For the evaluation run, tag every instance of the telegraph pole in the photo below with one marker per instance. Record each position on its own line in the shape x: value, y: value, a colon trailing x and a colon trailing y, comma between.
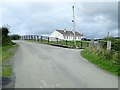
x: 74, y: 26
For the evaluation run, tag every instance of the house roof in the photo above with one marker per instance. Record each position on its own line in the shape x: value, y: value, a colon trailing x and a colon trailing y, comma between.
x: 69, y: 33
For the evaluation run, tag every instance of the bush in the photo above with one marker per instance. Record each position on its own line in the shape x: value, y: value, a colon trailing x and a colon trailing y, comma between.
x: 6, y: 41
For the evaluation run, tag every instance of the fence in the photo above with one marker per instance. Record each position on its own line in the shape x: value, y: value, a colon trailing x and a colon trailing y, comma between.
x: 106, y: 45
x: 56, y: 41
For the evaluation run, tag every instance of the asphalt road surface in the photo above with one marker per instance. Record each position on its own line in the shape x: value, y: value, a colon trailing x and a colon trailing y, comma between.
x: 39, y: 65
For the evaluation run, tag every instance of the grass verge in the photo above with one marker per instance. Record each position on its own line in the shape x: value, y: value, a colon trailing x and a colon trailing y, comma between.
x: 6, y: 70
x: 108, y: 64
x: 7, y: 52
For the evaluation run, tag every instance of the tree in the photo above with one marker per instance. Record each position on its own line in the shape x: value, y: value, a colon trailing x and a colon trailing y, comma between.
x: 5, y: 31
x: 15, y: 37
x: 5, y: 38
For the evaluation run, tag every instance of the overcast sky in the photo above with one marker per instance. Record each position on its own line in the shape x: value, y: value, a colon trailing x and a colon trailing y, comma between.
x: 93, y: 19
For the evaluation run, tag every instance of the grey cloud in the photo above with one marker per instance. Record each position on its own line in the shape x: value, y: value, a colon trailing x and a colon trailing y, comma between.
x: 92, y: 19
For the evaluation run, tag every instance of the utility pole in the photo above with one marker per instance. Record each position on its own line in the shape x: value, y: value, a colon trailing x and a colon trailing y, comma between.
x: 108, y: 34
x: 74, y: 26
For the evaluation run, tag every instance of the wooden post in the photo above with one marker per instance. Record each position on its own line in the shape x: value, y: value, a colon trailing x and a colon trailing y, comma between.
x: 34, y: 37
x: 81, y: 44
x: 48, y: 39
x: 57, y: 40
x: 66, y: 42
x: 37, y: 38
x: 41, y: 38
x: 92, y: 43
x: 31, y: 37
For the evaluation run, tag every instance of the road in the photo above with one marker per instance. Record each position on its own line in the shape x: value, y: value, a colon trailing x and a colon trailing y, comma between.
x: 39, y: 65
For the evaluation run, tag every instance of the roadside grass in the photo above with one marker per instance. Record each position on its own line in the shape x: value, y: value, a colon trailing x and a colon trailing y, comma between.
x: 6, y: 70
x: 102, y: 60
x: 7, y: 52
x: 0, y: 55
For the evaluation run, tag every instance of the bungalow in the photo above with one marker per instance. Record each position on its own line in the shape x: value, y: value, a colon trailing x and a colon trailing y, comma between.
x: 66, y: 35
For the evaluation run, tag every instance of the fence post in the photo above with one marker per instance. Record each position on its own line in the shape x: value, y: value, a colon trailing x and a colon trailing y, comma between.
x: 25, y: 37
x: 31, y: 37
x: 41, y: 38
x: 81, y: 44
x: 92, y: 43
x: 108, y: 45
x: 98, y: 45
x: 66, y: 42
x: 57, y: 40
x: 87, y: 44
x: 34, y: 37
x: 48, y: 39
x: 28, y: 37
x: 37, y: 38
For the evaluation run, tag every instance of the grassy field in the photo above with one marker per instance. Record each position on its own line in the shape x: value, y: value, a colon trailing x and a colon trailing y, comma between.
x: 105, y: 59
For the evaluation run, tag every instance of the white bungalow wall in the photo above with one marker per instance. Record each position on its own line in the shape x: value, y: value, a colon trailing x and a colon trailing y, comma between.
x: 55, y: 35
x: 70, y: 38
x: 58, y: 35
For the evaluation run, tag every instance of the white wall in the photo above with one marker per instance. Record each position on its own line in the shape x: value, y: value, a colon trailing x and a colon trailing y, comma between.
x: 78, y: 38
x: 56, y: 34
x: 70, y: 38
